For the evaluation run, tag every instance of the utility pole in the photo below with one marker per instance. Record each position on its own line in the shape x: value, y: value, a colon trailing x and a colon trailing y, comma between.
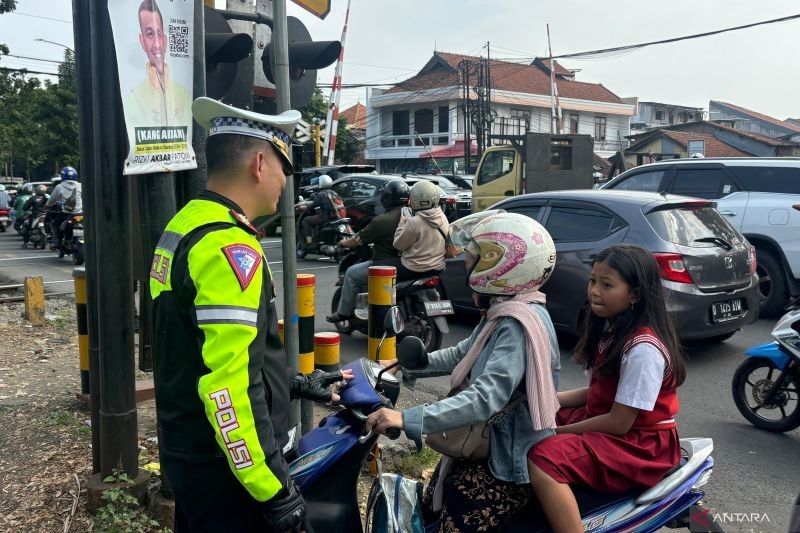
x: 317, y: 132
x: 280, y: 40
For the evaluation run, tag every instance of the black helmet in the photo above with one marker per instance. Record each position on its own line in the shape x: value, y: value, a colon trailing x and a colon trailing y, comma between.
x: 395, y: 194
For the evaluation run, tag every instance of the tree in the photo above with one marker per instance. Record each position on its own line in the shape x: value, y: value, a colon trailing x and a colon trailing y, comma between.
x: 347, y: 145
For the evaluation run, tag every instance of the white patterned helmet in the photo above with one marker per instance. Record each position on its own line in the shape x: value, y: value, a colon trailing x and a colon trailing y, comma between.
x: 514, y: 252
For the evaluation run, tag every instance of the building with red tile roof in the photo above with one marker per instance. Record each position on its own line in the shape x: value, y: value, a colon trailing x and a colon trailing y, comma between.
x: 356, y: 116
x: 660, y: 144
x: 741, y: 118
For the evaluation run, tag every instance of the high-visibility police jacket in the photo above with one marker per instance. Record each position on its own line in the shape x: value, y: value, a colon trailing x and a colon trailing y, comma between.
x: 222, y: 386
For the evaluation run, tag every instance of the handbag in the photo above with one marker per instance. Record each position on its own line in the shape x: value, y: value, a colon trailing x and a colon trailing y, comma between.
x: 472, y: 441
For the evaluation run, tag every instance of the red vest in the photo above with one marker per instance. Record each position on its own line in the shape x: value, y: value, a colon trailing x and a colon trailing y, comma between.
x: 603, y: 388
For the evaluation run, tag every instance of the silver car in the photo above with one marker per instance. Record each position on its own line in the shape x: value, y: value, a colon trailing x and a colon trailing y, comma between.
x: 708, y: 269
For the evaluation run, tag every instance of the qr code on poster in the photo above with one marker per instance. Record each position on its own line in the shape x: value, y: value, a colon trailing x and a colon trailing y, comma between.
x: 179, y: 40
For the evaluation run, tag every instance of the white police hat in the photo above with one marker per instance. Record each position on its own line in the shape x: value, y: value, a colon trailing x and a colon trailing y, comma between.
x: 219, y: 118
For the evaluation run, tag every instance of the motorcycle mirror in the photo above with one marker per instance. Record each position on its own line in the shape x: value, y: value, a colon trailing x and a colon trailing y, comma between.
x: 300, y: 199
x: 411, y: 353
x: 393, y: 322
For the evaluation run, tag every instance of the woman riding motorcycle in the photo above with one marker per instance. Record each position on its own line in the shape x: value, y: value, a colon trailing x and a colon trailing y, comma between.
x: 512, y: 352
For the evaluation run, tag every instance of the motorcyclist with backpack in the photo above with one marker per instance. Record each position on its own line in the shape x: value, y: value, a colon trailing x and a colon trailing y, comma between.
x: 67, y: 197
x: 330, y: 204
x: 32, y: 208
x: 24, y: 192
x: 380, y: 233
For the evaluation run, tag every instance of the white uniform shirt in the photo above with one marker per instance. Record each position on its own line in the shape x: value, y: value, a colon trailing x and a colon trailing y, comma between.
x: 641, y: 374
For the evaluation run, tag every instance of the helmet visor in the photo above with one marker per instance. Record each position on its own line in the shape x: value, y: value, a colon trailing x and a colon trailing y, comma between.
x: 461, y: 230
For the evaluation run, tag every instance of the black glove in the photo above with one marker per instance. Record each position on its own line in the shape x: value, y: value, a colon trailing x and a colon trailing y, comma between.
x: 286, y: 511
x: 314, y: 386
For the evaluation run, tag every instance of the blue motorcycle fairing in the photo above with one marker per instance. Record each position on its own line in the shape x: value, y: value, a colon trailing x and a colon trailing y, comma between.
x: 771, y: 351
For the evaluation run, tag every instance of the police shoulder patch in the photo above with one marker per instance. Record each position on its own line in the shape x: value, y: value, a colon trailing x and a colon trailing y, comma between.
x: 244, y: 261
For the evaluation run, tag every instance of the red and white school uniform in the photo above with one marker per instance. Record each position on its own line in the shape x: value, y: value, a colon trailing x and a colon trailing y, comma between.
x: 618, y: 463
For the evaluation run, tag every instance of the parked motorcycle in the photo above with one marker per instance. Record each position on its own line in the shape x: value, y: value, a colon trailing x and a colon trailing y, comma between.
x: 423, y: 311
x: 5, y: 221
x: 332, y: 456
x: 328, y: 235
x: 766, y: 385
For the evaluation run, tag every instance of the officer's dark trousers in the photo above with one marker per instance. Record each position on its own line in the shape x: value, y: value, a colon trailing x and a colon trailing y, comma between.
x: 208, y: 498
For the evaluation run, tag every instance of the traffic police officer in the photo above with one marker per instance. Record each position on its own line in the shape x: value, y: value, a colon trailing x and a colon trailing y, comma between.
x: 222, y: 388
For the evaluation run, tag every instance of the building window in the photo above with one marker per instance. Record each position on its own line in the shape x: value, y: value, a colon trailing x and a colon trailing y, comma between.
x: 523, y: 117
x: 599, y: 128
x: 423, y: 124
x: 697, y: 147
x: 659, y: 115
x: 573, y: 123
x: 444, y: 119
x: 561, y: 154
x: 400, y: 122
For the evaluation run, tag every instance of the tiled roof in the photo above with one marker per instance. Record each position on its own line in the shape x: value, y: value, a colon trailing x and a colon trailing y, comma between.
x: 544, y: 63
x: 760, y: 116
x: 356, y: 116
x: 713, y: 146
x: 455, y: 150
x: 772, y: 141
x: 442, y: 71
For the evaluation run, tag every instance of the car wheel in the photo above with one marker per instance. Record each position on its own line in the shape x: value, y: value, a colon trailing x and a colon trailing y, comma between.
x: 751, y: 381
x: 772, y: 288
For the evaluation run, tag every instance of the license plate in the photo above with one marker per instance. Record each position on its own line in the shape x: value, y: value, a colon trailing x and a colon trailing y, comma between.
x: 724, y: 311
x: 77, y: 233
x: 439, y: 308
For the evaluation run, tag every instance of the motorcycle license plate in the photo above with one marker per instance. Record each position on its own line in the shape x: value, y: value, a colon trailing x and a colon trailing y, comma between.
x: 77, y: 232
x: 725, y: 311
x: 439, y: 308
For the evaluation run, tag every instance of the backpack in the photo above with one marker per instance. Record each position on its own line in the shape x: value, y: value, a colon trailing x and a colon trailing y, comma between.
x: 71, y: 201
x: 393, y: 505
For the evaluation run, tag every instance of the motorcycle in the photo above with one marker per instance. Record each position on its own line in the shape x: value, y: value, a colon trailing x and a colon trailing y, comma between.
x: 5, y: 221
x: 424, y: 312
x: 765, y: 386
x: 39, y: 230
x: 328, y: 235
x: 332, y: 456
x: 72, y: 239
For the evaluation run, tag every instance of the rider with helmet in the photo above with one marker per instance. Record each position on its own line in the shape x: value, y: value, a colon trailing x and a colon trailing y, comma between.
x: 506, y: 371
x: 67, y: 197
x: 421, y: 234
x: 33, y: 206
x: 23, y: 193
x: 380, y: 233
x: 330, y: 204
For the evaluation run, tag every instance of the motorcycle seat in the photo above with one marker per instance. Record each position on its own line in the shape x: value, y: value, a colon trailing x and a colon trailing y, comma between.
x: 336, y: 221
x: 424, y: 282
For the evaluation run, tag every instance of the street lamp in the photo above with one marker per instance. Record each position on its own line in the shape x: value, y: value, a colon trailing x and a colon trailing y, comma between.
x: 55, y: 43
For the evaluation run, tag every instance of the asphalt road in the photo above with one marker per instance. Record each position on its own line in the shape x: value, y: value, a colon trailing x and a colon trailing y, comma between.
x: 757, y: 474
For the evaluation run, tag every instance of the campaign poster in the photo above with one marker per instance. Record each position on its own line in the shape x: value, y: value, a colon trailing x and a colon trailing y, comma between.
x: 155, y: 59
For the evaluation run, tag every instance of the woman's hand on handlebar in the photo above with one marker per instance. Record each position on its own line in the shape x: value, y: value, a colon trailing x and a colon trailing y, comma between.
x: 384, y: 419
x: 388, y: 362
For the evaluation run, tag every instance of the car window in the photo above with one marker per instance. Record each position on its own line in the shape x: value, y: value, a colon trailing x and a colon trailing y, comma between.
x: 531, y: 211
x: 769, y: 179
x: 685, y: 225
x: 362, y: 189
x: 643, y: 181
x: 343, y: 188
x: 708, y: 183
x: 496, y: 164
x: 583, y: 223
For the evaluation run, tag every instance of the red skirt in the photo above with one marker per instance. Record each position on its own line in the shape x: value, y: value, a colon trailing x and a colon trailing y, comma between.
x: 603, y: 462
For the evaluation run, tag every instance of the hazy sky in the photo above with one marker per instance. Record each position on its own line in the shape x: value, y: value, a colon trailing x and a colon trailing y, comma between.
x: 757, y: 68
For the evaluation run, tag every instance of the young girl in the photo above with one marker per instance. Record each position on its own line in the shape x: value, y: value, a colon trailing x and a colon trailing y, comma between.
x: 619, y: 433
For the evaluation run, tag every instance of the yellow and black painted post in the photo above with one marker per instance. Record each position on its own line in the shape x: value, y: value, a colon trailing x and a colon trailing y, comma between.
x: 326, y: 351
x: 381, y: 297
x: 79, y: 276
x: 281, y: 330
x: 306, y: 291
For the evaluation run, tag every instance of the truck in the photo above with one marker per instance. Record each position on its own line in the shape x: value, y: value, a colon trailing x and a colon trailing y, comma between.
x: 532, y: 162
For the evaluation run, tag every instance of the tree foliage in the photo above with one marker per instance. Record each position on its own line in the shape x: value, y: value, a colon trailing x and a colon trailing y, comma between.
x: 39, y: 123
x: 347, y: 145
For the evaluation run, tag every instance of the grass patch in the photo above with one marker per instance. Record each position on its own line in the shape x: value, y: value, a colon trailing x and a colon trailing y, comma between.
x: 412, y: 465
x: 69, y: 420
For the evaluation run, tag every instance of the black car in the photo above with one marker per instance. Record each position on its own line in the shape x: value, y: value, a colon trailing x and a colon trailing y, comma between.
x: 708, y: 268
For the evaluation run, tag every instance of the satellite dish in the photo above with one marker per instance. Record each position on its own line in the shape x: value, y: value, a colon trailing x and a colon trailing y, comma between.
x: 305, y: 57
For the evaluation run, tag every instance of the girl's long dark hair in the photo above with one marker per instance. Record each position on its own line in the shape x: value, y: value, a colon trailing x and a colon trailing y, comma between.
x: 638, y: 268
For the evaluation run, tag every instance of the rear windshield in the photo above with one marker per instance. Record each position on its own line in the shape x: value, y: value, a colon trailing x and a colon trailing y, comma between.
x: 769, y: 179
x: 692, y: 226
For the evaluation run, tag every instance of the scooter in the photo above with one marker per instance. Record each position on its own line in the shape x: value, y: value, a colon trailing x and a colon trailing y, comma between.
x: 5, y: 221
x: 766, y: 385
x: 332, y: 456
x: 328, y: 235
x: 72, y: 239
x: 423, y: 310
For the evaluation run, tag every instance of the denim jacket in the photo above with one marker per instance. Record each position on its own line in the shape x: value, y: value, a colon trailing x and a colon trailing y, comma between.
x: 498, y: 374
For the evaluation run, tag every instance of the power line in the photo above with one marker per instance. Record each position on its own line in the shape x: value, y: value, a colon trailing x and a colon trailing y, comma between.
x: 26, y: 71
x: 32, y: 58
x: 40, y: 17
x: 675, y: 39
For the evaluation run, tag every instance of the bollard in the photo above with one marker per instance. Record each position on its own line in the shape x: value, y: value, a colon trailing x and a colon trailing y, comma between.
x: 79, y: 276
x: 34, y: 300
x: 326, y: 351
x: 381, y: 297
x: 306, y: 288
x: 281, y: 332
